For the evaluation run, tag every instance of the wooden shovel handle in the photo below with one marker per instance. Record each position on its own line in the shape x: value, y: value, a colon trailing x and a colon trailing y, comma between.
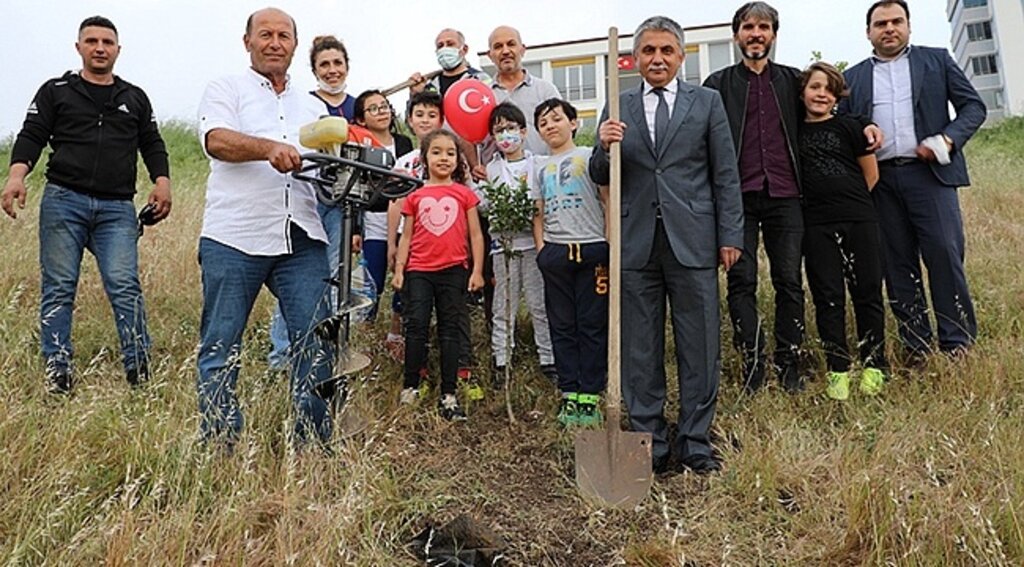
x: 614, y: 391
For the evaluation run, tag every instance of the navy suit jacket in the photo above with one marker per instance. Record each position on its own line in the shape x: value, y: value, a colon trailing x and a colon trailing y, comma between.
x: 693, y: 176
x: 936, y: 81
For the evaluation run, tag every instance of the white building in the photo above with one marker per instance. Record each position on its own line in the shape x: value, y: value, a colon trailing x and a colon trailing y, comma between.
x: 988, y: 36
x: 578, y: 67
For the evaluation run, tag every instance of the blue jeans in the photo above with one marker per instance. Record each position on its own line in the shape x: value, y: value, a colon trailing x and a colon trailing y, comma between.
x: 70, y: 223
x: 330, y: 216
x: 231, y: 282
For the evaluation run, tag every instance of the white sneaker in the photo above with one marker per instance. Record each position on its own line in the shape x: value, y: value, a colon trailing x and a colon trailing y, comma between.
x: 409, y: 396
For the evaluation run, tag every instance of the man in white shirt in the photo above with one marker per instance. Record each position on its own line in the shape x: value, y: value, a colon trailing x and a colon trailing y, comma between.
x: 260, y: 228
x: 908, y: 90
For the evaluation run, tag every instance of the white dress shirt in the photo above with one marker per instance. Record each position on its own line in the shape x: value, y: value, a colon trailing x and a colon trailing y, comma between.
x: 651, y: 103
x: 250, y: 205
x: 893, y: 110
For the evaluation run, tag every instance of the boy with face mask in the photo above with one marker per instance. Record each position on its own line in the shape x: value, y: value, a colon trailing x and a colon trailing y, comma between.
x: 512, y: 164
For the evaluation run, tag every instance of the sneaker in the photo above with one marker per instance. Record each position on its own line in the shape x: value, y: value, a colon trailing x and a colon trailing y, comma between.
x: 753, y: 374
x: 58, y: 380
x: 137, y: 376
x: 450, y: 409
x: 409, y: 396
x: 838, y: 387
x: 871, y: 381
x: 550, y: 372
x: 791, y: 380
x: 395, y: 345
x: 568, y: 411
x: 470, y: 386
x: 588, y: 410
x: 498, y: 377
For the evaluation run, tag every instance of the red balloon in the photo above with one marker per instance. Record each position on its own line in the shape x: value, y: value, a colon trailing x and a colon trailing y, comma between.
x: 467, y: 108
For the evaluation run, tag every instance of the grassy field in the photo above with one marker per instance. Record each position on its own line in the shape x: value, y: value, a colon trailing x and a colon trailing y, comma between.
x: 930, y: 473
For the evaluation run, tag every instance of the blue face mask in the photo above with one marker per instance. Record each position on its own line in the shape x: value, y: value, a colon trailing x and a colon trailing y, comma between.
x: 509, y: 141
x: 449, y: 58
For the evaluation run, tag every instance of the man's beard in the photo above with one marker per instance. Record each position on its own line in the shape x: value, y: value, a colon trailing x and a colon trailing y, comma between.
x: 758, y: 56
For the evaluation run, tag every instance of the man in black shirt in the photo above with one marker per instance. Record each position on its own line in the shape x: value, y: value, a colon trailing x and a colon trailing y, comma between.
x: 96, y: 124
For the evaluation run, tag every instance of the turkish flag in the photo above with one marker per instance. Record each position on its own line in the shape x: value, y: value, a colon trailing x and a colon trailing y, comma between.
x: 626, y: 62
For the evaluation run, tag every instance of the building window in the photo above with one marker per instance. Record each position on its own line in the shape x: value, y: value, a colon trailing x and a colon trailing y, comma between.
x: 534, y: 69
x: 575, y: 81
x: 979, y: 31
x: 719, y: 56
x: 984, y: 65
x: 975, y: 3
x: 691, y: 66
x: 993, y: 99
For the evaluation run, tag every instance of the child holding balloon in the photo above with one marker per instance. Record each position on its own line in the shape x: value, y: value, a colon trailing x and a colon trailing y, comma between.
x: 432, y: 266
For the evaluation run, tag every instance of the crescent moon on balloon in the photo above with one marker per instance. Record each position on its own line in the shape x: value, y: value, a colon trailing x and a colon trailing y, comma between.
x: 464, y: 103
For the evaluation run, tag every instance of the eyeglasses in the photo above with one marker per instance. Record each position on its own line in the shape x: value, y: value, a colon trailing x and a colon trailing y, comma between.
x: 379, y: 109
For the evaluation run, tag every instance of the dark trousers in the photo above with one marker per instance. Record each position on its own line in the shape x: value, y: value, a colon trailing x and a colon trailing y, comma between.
x: 920, y: 220
x: 850, y: 252
x: 422, y: 294
x: 576, y: 299
x: 782, y: 222
x: 692, y: 294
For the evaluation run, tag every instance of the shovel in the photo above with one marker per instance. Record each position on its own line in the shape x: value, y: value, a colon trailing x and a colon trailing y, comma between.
x: 613, y: 467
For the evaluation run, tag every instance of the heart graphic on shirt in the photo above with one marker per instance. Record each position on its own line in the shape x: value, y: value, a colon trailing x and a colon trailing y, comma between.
x: 438, y: 215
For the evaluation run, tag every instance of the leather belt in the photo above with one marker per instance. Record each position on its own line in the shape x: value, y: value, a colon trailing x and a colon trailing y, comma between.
x: 900, y: 161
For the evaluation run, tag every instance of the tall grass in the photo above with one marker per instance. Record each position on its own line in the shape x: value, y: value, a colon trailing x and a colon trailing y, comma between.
x: 929, y: 473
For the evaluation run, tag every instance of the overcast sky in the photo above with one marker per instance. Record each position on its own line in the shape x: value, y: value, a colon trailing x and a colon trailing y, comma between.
x: 172, y: 48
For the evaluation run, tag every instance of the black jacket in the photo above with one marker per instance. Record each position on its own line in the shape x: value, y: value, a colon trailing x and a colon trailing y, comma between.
x: 733, y: 84
x: 94, y: 151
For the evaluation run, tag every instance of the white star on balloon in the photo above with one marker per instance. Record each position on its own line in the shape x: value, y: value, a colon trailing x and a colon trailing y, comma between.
x: 485, y: 100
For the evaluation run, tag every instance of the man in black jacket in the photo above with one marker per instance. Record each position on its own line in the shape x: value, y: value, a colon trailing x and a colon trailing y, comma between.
x: 762, y: 102
x: 96, y: 124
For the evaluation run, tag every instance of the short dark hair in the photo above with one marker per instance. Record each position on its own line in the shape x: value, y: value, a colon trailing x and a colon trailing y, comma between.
x: 550, y: 105
x: 835, y: 83
x: 425, y: 98
x: 99, y: 22
x: 322, y: 43
x: 359, y: 112
x: 459, y: 173
x: 881, y: 3
x: 508, y: 112
x: 759, y: 10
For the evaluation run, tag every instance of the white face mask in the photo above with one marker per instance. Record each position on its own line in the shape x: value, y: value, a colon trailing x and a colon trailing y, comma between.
x: 330, y: 89
x: 509, y: 141
x: 449, y: 58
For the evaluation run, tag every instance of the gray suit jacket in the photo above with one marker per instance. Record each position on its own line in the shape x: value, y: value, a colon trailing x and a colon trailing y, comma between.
x: 694, y: 177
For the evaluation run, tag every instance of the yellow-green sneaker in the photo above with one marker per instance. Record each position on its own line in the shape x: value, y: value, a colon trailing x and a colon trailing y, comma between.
x: 838, y: 387
x: 588, y: 410
x: 568, y: 415
x: 871, y: 381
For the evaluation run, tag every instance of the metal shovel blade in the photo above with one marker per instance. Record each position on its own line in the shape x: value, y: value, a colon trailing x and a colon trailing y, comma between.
x: 613, y: 467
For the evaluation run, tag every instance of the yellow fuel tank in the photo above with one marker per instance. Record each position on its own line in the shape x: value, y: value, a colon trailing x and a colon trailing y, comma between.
x: 326, y: 134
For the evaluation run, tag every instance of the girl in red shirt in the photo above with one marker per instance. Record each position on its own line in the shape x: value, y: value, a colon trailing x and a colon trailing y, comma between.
x: 432, y: 265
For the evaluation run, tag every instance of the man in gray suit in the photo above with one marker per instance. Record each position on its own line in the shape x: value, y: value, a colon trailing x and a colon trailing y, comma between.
x: 682, y: 215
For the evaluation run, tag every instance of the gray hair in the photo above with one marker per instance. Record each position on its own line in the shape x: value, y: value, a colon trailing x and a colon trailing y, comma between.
x: 458, y: 34
x: 757, y: 10
x: 658, y: 23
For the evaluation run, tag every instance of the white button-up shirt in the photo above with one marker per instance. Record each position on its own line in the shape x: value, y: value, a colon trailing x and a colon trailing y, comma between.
x: 250, y: 205
x: 651, y: 104
x: 893, y: 111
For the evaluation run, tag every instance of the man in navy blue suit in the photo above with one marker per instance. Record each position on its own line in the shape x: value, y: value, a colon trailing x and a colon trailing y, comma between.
x: 907, y: 89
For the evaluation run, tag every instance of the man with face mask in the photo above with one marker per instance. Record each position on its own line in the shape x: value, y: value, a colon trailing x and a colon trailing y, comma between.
x: 451, y: 50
